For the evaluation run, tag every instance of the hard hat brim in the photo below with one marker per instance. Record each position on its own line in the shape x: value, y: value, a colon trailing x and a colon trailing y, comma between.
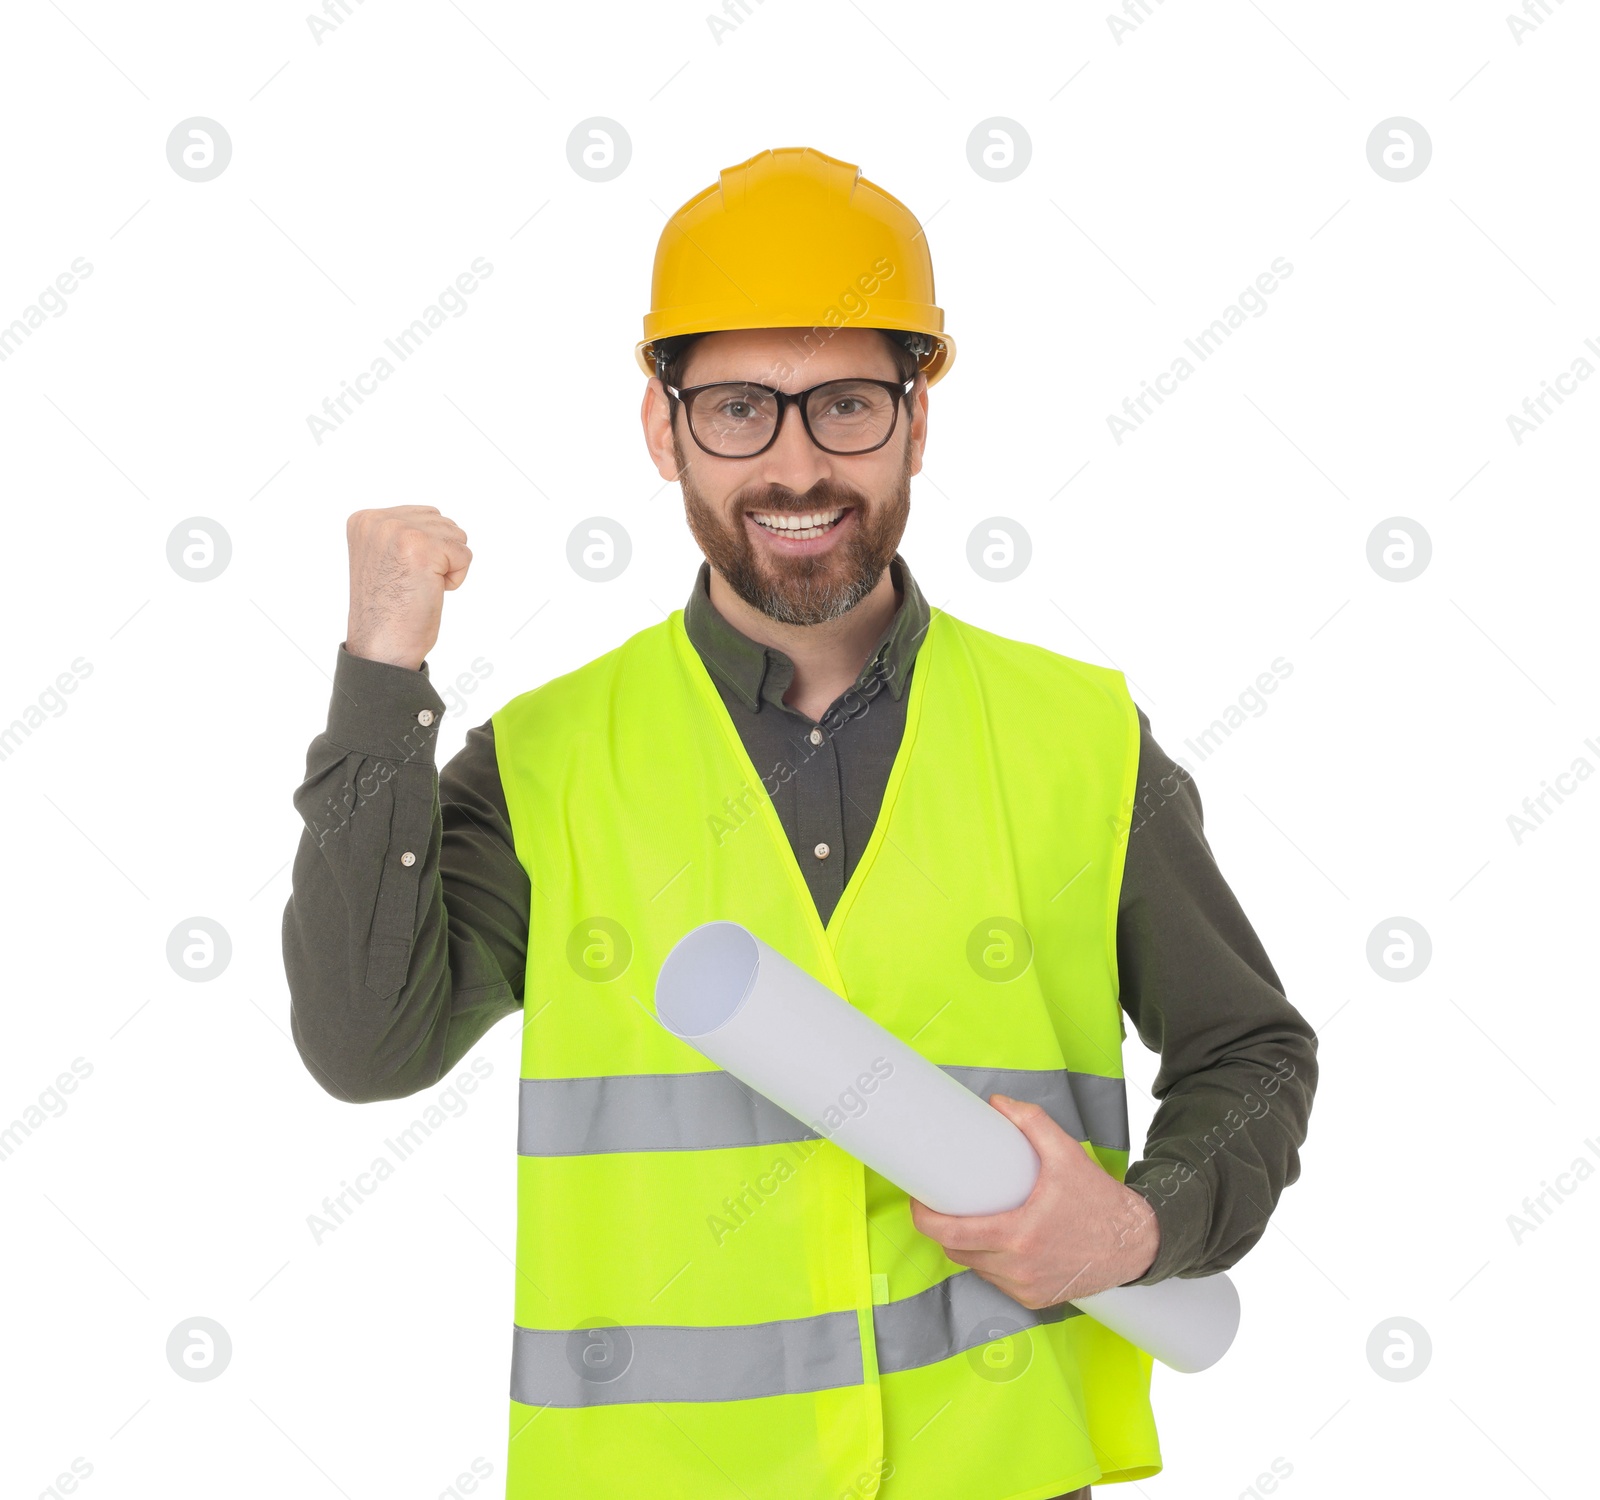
x: 934, y: 367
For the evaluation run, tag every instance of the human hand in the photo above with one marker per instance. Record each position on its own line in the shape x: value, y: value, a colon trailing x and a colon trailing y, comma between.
x: 402, y: 559
x: 1080, y: 1231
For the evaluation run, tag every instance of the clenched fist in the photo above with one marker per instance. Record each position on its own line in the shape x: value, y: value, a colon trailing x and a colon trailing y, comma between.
x: 402, y: 559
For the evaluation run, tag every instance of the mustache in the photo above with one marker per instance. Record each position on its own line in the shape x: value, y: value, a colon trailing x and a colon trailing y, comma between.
x: 788, y: 503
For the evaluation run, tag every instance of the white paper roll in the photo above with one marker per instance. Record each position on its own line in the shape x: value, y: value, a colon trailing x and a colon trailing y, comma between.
x: 772, y: 1026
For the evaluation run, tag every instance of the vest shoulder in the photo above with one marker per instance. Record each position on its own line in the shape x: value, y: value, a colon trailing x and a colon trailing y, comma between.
x: 587, y: 685
x: 1030, y: 660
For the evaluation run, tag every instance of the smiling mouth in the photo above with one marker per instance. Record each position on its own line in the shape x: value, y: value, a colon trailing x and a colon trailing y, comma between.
x: 802, y: 526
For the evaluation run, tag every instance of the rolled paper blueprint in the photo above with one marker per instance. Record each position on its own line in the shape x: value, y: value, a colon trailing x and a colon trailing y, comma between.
x: 768, y: 1023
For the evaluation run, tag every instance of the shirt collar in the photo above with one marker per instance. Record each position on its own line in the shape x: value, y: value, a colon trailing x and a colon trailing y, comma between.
x: 754, y: 671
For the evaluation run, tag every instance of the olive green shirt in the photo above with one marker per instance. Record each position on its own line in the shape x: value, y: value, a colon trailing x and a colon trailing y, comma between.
x: 405, y: 935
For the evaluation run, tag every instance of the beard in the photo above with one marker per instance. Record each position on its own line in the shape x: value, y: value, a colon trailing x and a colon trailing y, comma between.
x: 800, y: 590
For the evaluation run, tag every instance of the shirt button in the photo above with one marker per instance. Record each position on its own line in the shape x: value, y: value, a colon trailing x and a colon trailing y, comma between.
x: 821, y: 851
x: 816, y: 736
x: 425, y: 718
x: 408, y: 858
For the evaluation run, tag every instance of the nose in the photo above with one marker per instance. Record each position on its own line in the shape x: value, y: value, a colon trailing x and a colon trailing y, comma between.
x: 793, y: 460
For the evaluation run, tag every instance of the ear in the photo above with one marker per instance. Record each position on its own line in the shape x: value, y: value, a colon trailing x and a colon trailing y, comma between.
x: 655, y: 415
x: 919, y: 421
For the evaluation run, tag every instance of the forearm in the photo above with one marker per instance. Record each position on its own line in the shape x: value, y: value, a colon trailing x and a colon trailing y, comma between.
x: 1219, y: 1153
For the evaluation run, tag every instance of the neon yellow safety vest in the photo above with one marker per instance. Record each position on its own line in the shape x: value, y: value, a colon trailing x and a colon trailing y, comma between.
x: 711, y: 1300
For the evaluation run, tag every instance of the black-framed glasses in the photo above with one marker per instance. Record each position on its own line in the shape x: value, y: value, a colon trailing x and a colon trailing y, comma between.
x: 739, y: 418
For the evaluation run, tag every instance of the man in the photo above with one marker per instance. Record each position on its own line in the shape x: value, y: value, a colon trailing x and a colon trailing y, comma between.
x: 975, y: 840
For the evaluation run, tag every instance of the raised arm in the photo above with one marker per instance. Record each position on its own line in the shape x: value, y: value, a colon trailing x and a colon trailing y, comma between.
x: 405, y: 934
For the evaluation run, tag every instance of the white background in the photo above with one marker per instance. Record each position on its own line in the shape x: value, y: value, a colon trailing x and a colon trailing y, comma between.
x: 1168, y: 170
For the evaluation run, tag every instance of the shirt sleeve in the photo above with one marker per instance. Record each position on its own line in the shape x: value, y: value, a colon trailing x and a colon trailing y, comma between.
x: 405, y: 932
x: 1238, y: 1061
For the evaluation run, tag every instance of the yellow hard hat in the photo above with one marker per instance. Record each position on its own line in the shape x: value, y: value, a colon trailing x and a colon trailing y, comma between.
x: 793, y: 238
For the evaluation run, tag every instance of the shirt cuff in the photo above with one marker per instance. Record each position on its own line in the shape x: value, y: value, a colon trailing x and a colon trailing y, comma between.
x: 1183, y: 1211
x: 385, y: 711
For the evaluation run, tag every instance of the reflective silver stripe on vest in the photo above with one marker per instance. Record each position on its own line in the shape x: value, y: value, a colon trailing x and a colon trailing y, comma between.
x: 957, y: 1314
x: 648, y: 1112
x: 1086, y: 1105
x: 613, y: 1365
x: 714, y: 1111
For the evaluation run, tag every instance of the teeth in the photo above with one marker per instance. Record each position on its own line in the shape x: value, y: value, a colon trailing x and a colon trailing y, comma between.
x: 816, y: 520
